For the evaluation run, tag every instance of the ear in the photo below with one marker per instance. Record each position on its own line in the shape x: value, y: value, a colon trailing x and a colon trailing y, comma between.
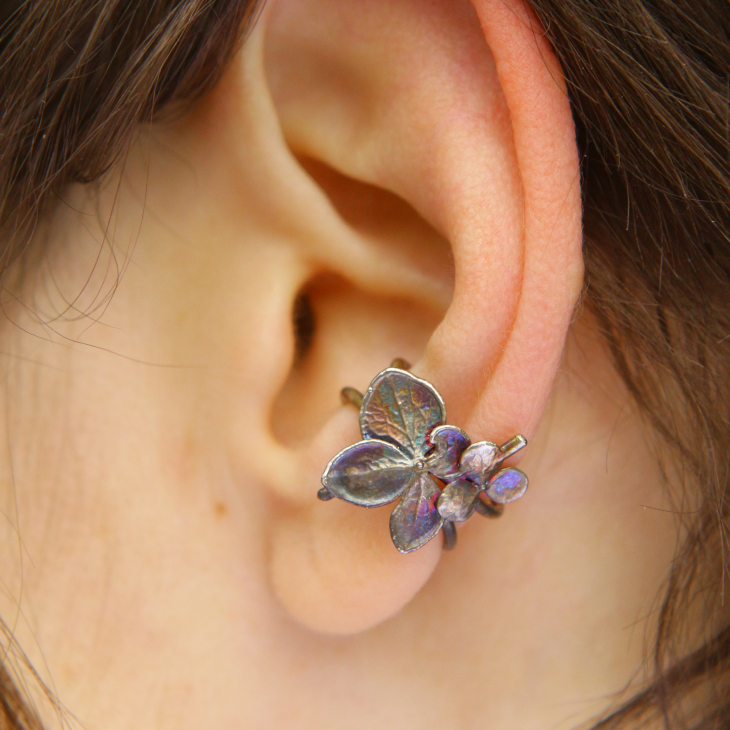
x: 460, y: 111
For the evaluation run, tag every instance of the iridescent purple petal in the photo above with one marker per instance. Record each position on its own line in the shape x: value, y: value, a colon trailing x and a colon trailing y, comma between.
x: 368, y: 473
x: 401, y: 409
x: 478, y: 461
x: 449, y: 444
x: 416, y: 519
x: 458, y: 501
x: 507, y: 485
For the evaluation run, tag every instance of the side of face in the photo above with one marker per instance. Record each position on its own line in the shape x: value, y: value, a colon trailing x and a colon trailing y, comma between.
x: 409, y: 171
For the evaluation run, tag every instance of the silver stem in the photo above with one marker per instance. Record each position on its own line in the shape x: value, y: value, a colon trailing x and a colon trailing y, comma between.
x: 401, y: 364
x: 449, y: 533
x: 512, y: 446
x: 351, y: 397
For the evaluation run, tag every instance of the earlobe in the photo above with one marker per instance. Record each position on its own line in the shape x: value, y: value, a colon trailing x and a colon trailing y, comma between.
x: 462, y: 115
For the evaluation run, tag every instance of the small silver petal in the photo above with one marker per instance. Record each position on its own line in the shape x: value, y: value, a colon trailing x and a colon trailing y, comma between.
x: 369, y: 473
x: 458, y: 501
x: 478, y: 461
x: 401, y: 409
x: 416, y: 519
x: 449, y: 444
x: 507, y: 485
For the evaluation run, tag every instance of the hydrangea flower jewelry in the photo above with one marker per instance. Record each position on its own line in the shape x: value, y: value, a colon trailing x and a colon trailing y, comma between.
x: 409, y: 451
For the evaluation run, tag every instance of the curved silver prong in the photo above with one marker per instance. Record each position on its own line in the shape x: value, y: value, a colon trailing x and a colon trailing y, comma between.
x: 449, y: 533
x: 325, y: 495
x: 351, y: 397
x: 401, y: 364
x: 511, y: 447
x: 486, y: 508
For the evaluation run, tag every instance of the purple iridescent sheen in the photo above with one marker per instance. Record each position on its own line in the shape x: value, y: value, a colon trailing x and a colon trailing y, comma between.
x: 478, y: 461
x: 458, y: 501
x: 409, y: 452
x: 507, y: 485
x: 449, y: 443
x: 398, y: 413
x: 416, y: 519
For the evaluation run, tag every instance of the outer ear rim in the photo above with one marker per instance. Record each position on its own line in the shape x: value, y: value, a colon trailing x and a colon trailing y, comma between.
x: 519, y: 380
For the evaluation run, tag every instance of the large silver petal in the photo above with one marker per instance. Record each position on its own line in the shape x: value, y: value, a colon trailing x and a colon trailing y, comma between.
x: 369, y: 473
x: 458, y: 501
x: 449, y: 444
x: 507, y: 485
x: 478, y: 461
x: 401, y: 409
x: 416, y: 519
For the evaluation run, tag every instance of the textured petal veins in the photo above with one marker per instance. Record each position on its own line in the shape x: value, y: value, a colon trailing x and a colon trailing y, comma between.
x: 416, y: 519
x: 401, y: 409
x: 458, y: 501
x: 369, y: 473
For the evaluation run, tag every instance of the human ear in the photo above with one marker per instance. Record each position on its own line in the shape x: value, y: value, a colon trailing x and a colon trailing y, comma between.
x: 440, y: 218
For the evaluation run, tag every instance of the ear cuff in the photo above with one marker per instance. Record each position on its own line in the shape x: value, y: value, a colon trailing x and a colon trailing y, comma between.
x: 409, y: 452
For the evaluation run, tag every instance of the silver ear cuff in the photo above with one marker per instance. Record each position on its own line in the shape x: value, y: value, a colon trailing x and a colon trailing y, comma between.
x: 409, y: 451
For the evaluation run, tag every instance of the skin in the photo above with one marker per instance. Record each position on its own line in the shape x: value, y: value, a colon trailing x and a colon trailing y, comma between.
x: 166, y: 562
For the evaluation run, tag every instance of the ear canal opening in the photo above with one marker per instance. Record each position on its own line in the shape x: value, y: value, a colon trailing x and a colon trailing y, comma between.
x: 343, y: 337
x: 304, y: 323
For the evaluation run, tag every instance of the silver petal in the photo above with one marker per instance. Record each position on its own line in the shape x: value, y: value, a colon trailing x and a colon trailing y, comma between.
x: 401, y: 409
x: 449, y: 444
x: 458, y: 501
x: 478, y: 460
x: 507, y: 485
x: 416, y: 519
x: 369, y: 473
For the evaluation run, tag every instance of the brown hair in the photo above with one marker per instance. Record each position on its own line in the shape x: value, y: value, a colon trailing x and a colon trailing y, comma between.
x: 649, y: 81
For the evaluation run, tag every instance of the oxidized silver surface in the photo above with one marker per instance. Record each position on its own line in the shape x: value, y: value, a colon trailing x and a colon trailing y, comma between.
x: 458, y: 500
x: 401, y: 408
x: 416, y: 520
x: 409, y: 451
